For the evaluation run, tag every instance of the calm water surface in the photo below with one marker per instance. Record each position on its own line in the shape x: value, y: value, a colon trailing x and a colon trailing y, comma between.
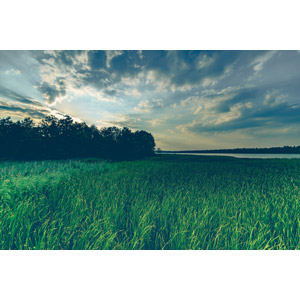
x: 239, y: 155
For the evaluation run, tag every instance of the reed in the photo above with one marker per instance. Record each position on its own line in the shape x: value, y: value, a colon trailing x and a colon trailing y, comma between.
x: 164, y: 202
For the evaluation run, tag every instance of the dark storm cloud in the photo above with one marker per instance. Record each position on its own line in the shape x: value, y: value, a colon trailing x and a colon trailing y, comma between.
x: 244, y: 95
x: 129, y: 63
x: 97, y: 59
x: 108, y: 69
x: 196, y: 68
x: 280, y: 114
x: 110, y: 92
x: 65, y: 57
x: 258, y: 116
x: 200, y: 91
x: 78, y: 73
x: 180, y: 67
x: 201, y: 65
x: 174, y: 70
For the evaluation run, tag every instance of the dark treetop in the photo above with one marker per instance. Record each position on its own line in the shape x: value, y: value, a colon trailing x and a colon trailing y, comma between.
x: 55, y: 138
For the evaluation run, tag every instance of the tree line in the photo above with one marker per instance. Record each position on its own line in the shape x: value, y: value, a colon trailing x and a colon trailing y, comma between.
x: 54, y: 138
x: 272, y: 150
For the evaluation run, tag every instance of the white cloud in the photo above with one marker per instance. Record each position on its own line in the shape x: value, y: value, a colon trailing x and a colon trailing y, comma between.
x: 206, y: 108
x: 132, y: 81
x: 209, y: 82
x: 12, y: 72
x: 147, y: 106
x: 205, y: 61
x: 198, y: 103
x: 156, y: 122
x: 132, y: 92
x: 273, y: 98
x: 144, y: 106
x: 161, y: 83
x: 258, y: 62
x: 119, y: 120
x: 94, y: 93
x: 58, y: 99
x: 110, y: 54
x: 60, y: 115
x: 234, y: 113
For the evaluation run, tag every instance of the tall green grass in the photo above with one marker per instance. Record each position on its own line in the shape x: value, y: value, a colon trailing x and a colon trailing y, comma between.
x: 166, y: 202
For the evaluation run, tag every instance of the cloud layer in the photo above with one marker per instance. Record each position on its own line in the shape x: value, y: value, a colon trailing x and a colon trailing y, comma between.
x: 187, y: 99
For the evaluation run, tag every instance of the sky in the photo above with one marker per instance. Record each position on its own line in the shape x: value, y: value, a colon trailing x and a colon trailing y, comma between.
x: 188, y: 100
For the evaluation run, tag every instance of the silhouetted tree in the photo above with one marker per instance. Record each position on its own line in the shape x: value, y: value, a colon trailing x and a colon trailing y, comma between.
x: 6, y: 136
x: 55, y: 138
x: 144, y: 144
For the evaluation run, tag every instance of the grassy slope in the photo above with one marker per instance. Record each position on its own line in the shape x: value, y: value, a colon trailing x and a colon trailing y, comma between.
x: 166, y: 202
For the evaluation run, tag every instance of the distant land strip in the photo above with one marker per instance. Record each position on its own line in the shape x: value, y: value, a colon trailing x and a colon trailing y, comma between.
x: 274, y: 150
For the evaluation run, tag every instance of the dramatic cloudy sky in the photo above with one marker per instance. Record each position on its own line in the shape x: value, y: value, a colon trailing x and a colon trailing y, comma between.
x: 186, y: 99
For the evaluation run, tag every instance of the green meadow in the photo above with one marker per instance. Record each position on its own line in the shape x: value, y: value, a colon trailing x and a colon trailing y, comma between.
x: 164, y: 202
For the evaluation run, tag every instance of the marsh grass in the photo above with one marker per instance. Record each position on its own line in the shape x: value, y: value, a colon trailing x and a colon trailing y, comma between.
x: 166, y: 202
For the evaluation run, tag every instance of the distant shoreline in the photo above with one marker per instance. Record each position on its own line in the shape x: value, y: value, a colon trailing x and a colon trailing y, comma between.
x: 273, y: 150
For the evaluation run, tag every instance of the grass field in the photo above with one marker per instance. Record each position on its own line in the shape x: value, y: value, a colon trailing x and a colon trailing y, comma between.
x: 165, y: 202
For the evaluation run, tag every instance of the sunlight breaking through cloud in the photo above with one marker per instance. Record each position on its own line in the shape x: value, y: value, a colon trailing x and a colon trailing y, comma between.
x: 187, y: 99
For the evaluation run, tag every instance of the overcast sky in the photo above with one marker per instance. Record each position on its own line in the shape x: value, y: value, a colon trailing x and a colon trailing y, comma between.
x: 186, y: 99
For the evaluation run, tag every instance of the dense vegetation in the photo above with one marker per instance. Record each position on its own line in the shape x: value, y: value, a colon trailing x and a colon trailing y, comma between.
x: 163, y: 202
x: 55, y: 138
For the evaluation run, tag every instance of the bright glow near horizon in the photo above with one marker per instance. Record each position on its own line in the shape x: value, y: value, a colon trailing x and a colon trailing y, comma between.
x: 187, y: 99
